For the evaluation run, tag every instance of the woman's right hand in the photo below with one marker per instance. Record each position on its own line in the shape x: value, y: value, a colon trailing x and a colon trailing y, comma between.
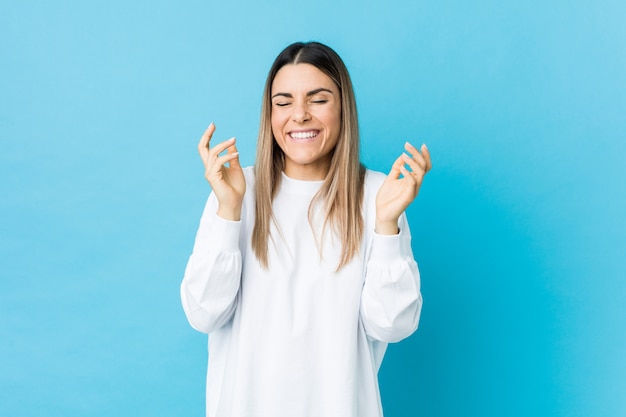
x: 227, y: 182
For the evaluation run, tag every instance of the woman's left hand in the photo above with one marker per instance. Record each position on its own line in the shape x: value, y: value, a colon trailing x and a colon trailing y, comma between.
x: 400, y: 187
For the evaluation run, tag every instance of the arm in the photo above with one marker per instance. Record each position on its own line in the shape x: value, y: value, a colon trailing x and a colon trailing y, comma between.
x: 213, y: 273
x: 391, y: 300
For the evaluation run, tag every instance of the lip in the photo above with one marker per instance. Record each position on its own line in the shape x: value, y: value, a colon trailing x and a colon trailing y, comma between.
x: 305, y: 134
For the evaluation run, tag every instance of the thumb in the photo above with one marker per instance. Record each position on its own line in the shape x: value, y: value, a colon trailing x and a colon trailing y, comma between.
x: 396, y: 169
x: 234, y: 163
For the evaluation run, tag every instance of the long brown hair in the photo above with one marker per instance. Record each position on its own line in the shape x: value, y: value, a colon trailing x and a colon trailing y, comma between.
x: 341, y: 194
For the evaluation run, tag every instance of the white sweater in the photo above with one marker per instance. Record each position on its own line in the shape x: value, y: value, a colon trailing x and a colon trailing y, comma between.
x: 298, y: 339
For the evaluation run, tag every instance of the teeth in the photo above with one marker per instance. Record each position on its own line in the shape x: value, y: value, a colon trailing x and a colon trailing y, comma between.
x: 303, y: 135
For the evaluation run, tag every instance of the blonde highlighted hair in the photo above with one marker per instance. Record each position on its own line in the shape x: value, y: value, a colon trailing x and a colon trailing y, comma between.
x: 341, y: 194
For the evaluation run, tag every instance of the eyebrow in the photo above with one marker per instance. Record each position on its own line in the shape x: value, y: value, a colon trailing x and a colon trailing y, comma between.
x: 309, y: 94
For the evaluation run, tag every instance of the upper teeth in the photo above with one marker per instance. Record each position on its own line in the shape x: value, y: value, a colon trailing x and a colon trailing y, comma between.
x: 303, y: 135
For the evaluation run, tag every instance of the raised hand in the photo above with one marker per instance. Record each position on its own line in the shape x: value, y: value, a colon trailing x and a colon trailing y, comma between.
x: 227, y: 182
x: 400, y: 187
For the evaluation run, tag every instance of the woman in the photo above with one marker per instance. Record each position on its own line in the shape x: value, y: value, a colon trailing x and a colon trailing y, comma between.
x: 302, y: 269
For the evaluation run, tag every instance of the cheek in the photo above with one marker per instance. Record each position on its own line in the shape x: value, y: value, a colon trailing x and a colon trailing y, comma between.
x: 333, y: 119
x: 276, y: 125
x: 279, y: 116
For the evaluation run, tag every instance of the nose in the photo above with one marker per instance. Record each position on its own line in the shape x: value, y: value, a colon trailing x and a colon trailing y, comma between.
x: 300, y: 113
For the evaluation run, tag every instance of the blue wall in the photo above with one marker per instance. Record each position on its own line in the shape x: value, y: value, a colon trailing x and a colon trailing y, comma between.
x: 519, y: 229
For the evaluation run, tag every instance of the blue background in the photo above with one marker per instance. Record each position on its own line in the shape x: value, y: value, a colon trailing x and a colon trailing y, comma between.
x: 519, y: 229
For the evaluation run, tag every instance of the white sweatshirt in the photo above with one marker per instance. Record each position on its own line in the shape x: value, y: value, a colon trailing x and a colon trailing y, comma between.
x: 298, y: 339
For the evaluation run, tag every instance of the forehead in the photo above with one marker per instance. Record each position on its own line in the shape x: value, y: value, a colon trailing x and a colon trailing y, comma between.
x: 301, y: 78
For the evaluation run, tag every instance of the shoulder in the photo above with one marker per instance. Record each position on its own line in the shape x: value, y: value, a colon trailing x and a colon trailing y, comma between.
x: 374, y: 179
x: 372, y: 183
x: 248, y: 173
x: 249, y: 196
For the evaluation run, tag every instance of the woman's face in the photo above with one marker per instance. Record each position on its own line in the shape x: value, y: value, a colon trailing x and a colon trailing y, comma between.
x: 306, y: 119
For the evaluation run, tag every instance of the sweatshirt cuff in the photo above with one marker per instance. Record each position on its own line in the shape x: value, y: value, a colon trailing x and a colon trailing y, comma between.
x: 227, y: 231
x: 386, y: 247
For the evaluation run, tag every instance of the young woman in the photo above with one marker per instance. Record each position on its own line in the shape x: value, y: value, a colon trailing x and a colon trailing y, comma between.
x: 302, y: 269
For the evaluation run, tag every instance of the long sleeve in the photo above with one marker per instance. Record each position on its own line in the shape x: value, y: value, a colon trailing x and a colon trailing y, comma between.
x: 298, y: 338
x: 391, y: 300
x: 213, y: 273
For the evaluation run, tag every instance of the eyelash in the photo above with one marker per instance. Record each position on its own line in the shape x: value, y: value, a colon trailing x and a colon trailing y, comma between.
x: 315, y: 102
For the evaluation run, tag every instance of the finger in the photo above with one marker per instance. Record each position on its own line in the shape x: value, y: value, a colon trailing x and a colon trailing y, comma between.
x: 203, y: 145
x: 407, y: 174
x: 415, y: 154
x: 210, y: 155
x: 417, y: 166
x: 396, y: 168
x: 234, y: 163
x: 212, y: 158
x: 224, y: 159
x: 221, y: 147
x: 426, y: 154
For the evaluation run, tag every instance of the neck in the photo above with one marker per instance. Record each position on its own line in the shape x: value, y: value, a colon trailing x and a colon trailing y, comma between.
x: 310, y: 172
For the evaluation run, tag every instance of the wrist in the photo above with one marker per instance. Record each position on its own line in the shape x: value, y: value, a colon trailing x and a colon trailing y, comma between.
x: 386, y: 227
x: 229, y: 213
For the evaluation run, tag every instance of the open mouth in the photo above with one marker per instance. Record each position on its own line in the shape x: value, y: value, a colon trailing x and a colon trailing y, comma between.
x: 304, y: 135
